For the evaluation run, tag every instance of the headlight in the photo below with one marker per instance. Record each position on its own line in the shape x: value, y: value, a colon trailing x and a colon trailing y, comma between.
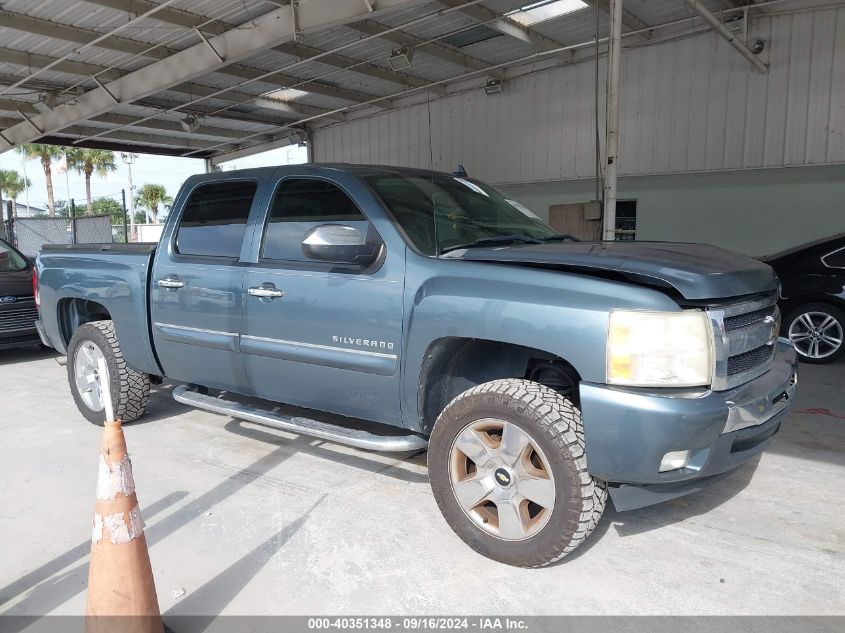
x: 659, y: 349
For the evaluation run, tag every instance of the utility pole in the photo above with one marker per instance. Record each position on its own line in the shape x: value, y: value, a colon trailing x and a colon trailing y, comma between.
x: 129, y: 158
x: 614, y: 66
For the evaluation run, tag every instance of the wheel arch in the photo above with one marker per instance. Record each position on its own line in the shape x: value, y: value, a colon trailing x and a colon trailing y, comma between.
x: 788, y: 305
x: 73, y: 312
x: 452, y: 365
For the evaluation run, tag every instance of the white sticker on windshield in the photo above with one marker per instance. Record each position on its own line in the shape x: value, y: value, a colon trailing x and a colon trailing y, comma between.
x: 472, y: 186
x: 523, y: 209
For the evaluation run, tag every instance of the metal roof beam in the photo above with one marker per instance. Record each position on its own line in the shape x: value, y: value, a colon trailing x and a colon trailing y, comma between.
x: 503, y: 24
x: 263, y: 32
x: 435, y: 49
x: 204, y: 113
x: 140, y: 137
x: 252, y: 150
x: 158, y: 124
x: 45, y: 28
x: 630, y: 22
x: 296, y: 49
x: 303, y: 51
x: 716, y: 24
x: 31, y: 60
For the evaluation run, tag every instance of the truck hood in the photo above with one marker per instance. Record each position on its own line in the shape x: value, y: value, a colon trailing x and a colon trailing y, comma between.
x: 696, y: 271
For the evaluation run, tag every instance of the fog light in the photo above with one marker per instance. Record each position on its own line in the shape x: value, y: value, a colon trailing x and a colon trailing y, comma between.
x: 674, y: 460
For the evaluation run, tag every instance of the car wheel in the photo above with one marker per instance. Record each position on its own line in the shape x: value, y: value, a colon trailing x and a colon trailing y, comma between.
x: 508, y: 471
x: 816, y: 330
x: 130, y: 390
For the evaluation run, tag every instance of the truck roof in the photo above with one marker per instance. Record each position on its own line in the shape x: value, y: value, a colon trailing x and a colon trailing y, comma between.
x: 322, y: 168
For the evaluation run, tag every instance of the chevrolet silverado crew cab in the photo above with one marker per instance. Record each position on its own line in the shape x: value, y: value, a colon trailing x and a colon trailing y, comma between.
x: 396, y: 309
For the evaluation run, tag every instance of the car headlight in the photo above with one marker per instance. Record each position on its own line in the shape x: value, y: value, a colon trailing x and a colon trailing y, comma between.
x: 659, y: 349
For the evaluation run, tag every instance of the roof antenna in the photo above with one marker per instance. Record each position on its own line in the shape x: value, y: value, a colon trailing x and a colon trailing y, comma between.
x: 461, y: 173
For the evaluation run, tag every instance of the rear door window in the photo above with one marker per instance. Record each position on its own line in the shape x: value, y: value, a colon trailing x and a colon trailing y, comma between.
x: 214, y: 220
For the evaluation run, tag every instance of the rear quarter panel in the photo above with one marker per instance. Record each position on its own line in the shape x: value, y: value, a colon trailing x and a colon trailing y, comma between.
x: 116, y: 280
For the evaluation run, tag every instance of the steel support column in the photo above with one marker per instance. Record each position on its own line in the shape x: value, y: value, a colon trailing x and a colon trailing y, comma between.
x: 614, y: 67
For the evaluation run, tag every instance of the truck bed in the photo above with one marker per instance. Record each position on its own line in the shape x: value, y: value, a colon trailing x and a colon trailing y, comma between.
x: 74, y: 279
x: 137, y: 247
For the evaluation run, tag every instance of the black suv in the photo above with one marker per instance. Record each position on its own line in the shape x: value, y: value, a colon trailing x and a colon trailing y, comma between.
x: 813, y: 297
x: 17, y: 304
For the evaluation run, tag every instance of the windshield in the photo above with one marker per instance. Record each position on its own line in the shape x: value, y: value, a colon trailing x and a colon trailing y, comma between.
x: 440, y: 212
x: 10, y: 259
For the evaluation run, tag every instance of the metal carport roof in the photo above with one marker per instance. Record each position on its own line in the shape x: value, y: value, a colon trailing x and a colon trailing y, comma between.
x: 216, y: 79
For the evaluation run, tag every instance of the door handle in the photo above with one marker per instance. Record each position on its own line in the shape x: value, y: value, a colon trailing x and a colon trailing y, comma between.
x: 266, y: 292
x: 170, y: 282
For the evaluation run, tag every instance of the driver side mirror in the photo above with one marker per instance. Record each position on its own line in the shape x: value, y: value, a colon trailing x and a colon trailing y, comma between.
x: 341, y: 244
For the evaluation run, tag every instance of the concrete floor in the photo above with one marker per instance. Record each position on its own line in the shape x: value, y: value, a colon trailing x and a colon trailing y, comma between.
x: 246, y: 520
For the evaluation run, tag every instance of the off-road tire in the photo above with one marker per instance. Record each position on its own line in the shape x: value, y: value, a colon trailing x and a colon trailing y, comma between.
x: 554, y: 424
x: 130, y: 390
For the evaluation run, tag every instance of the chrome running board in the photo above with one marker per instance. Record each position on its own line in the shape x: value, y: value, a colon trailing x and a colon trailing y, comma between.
x: 359, y: 438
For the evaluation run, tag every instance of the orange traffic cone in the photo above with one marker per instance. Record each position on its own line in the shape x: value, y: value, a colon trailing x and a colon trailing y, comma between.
x: 120, y: 578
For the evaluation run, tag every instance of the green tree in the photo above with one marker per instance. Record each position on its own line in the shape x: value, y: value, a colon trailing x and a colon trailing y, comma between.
x: 46, y: 154
x: 12, y: 184
x: 152, y: 195
x: 107, y: 206
x: 88, y: 161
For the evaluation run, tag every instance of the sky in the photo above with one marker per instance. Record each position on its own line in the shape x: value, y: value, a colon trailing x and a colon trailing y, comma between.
x: 147, y: 168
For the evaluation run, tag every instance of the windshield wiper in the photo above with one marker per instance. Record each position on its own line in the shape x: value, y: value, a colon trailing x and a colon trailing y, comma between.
x: 563, y: 237
x: 493, y: 241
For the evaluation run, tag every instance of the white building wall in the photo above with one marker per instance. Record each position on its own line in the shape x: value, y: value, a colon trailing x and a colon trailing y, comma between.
x: 687, y: 106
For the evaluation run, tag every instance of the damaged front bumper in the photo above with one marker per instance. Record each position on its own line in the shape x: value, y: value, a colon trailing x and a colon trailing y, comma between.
x: 628, y: 432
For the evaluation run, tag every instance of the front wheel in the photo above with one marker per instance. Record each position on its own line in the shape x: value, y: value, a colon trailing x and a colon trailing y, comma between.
x: 816, y: 330
x: 508, y: 471
x: 130, y: 390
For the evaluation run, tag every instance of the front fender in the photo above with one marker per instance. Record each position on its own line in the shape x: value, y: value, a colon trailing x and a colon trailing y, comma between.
x: 563, y: 314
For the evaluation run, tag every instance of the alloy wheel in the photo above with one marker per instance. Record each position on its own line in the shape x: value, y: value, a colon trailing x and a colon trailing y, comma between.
x: 86, y: 373
x: 816, y: 334
x: 501, y: 479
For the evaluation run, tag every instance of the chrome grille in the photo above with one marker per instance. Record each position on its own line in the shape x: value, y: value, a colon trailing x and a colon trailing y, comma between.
x: 16, y: 319
x: 749, y: 360
x: 750, y: 318
x: 745, y: 336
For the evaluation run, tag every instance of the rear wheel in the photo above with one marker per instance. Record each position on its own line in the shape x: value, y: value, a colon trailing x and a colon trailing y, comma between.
x: 817, y: 331
x: 508, y: 470
x: 130, y: 390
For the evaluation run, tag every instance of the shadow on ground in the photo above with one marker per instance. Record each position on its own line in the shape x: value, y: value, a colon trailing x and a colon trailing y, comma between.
x: 47, y: 592
x: 26, y: 355
x: 360, y: 459
x: 633, y: 522
x: 212, y: 598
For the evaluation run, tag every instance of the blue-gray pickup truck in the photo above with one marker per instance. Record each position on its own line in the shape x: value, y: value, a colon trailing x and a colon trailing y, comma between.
x: 398, y: 310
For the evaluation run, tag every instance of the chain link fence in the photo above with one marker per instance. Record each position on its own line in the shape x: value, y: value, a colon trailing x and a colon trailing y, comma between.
x: 72, y: 225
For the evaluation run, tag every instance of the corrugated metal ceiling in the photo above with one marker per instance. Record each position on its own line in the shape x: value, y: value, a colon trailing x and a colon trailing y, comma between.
x: 48, y: 28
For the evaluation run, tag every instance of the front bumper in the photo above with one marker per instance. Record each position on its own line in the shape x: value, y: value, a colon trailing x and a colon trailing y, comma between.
x: 628, y: 431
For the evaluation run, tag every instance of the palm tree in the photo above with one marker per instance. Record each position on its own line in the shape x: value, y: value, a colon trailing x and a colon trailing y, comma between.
x: 87, y: 161
x: 12, y: 183
x: 152, y: 195
x: 46, y: 154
